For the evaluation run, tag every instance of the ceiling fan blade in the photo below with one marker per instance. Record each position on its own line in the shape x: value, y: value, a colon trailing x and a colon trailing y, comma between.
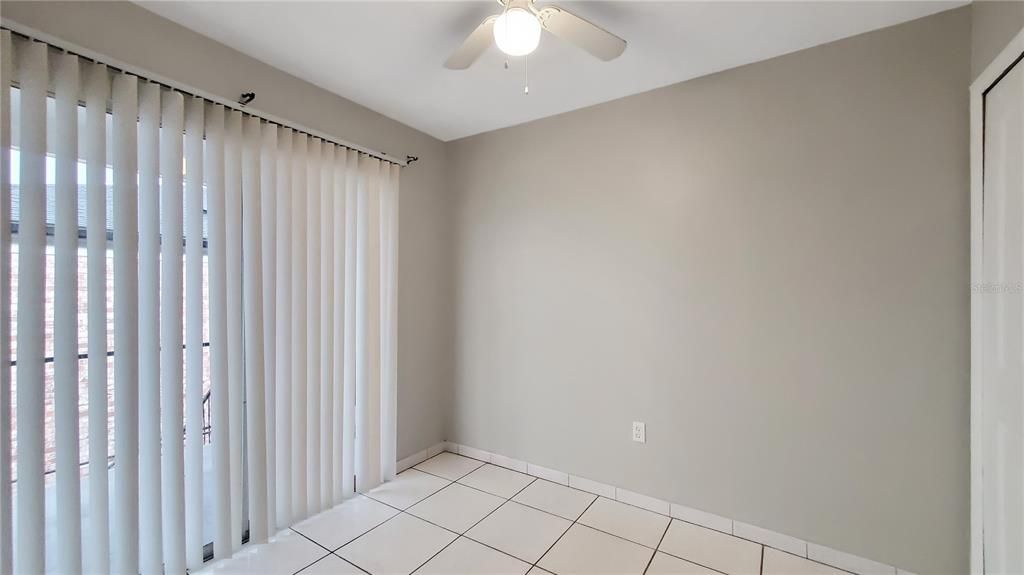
x: 586, y: 35
x: 473, y: 47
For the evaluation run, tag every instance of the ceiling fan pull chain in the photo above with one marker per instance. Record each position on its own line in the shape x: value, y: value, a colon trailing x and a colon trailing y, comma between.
x: 526, y: 66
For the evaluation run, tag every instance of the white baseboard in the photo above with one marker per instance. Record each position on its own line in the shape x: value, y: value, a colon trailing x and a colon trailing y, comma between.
x: 421, y: 456
x: 774, y: 539
x: 513, y: 464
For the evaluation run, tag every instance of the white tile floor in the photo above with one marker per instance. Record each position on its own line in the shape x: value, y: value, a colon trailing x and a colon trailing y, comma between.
x: 452, y: 515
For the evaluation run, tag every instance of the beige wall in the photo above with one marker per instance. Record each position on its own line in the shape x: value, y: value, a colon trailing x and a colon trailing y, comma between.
x: 993, y: 24
x: 135, y: 36
x: 769, y: 266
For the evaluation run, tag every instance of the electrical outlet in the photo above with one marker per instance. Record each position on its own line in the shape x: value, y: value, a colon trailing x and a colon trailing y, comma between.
x: 639, y: 432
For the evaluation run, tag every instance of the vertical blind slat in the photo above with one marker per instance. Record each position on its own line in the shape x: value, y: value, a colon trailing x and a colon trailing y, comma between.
x: 28, y: 544
x: 65, y: 329
x: 150, y: 523
x: 391, y: 441
x: 362, y: 382
x: 351, y: 323
x: 252, y: 297
x: 283, y: 405
x: 6, y: 516
x: 313, y: 326
x: 233, y: 262
x: 126, y: 325
x: 219, y: 395
x: 171, y: 326
x: 326, y: 326
x: 193, y: 331
x: 389, y: 310
x: 268, y: 246
x: 97, y: 93
x: 382, y: 237
x: 298, y: 331
x: 369, y: 405
x: 337, y: 253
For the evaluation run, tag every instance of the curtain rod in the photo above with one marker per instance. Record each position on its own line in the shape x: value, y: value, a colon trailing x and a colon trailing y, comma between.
x: 31, y: 34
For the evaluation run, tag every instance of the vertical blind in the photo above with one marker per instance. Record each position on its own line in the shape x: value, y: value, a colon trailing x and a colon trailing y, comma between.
x: 198, y: 330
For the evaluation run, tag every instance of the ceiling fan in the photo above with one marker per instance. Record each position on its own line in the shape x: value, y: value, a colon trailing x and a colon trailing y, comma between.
x: 517, y: 31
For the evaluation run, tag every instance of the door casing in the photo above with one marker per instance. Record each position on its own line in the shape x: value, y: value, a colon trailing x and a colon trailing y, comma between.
x: 1011, y: 55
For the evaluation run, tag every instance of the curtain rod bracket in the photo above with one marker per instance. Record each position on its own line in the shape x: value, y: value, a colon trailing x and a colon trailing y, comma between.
x: 246, y: 98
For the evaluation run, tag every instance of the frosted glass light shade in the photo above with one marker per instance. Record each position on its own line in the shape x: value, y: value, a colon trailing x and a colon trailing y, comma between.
x: 517, y: 32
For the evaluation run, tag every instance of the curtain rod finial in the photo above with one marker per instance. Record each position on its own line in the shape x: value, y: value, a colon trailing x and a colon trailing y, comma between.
x: 246, y: 98
x: 410, y: 159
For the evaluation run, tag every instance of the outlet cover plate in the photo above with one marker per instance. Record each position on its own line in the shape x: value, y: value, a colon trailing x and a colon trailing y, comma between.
x: 639, y: 432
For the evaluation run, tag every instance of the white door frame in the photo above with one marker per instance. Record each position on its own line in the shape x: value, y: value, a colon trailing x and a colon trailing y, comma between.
x: 993, y: 72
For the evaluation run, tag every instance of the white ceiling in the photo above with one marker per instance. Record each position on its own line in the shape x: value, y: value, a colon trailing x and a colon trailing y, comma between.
x: 388, y: 56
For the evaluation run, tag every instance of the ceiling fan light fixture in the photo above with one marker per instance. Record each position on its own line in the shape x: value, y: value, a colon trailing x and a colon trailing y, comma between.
x: 517, y: 32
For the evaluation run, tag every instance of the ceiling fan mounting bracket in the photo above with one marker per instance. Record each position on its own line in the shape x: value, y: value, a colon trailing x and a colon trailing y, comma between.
x: 524, y: 4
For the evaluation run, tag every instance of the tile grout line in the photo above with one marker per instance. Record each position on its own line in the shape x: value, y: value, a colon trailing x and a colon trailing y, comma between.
x: 400, y: 511
x: 304, y: 567
x: 357, y: 536
x: 350, y: 563
x: 507, y: 499
x: 410, y: 514
x: 694, y: 562
x: 596, y: 497
x: 533, y: 479
x: 510, y: 499
x: 671, y: 518
x: 658, y: 546
x: 459, y: 481
x: 329, y: 553
x: 535, y: 563
x: 599, y: 497
x: 439, y: 551
x: 563, y: 519
x: 489, y: 514
x: 462, y: 535
x: 450, y: 482
x: 546, y: 512
x: 416, y: 467
x: 310, y: 539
